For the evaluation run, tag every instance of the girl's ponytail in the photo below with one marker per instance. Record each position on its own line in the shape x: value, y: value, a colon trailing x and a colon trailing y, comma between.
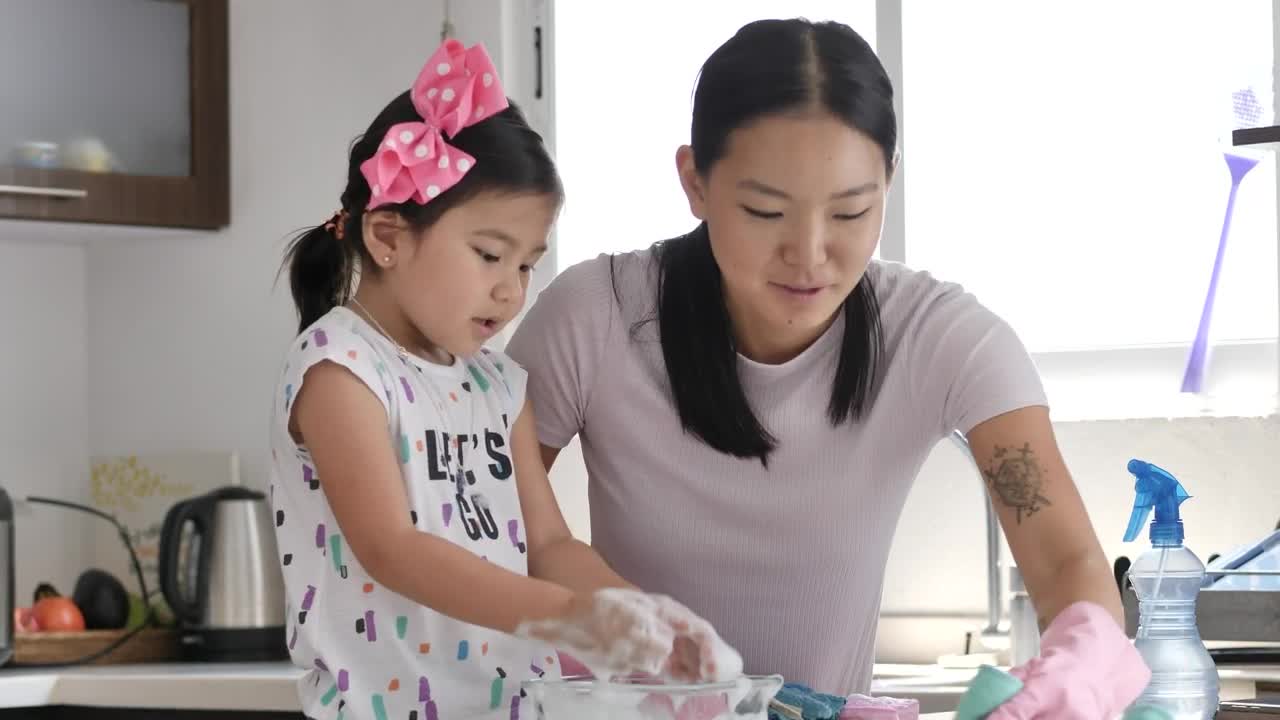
x: 496, y: 152
x: 320, y: 266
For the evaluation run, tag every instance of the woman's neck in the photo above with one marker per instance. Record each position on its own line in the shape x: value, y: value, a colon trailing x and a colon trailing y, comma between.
x: 380, y: 310
x: 759, y: 342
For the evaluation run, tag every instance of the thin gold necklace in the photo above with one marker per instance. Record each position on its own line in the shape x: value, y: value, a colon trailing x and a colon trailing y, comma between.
x: 400, y: 349
x: 458, y: 475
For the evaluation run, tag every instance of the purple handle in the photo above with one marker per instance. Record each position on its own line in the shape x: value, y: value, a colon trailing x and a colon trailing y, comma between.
x: 1197, y: 361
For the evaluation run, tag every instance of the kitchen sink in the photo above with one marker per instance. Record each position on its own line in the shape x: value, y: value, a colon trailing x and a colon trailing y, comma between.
x: 937, y: 689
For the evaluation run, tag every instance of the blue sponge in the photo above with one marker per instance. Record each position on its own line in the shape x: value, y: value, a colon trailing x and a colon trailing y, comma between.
x: 813, y: 705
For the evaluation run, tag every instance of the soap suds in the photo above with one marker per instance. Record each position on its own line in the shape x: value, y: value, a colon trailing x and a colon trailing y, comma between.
x: 622, y: 632
x: 628, y: 631
x: 634, y: 643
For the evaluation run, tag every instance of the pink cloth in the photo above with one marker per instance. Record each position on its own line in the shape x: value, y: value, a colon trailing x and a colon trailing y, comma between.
x: 862, y: 707
x: 457, y: 87
x: 1087, y: 669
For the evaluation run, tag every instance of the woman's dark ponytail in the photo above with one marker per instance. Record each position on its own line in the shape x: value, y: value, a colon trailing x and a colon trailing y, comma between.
x: 767, y: 69
x: 321, y: 262
x: 700, y: 352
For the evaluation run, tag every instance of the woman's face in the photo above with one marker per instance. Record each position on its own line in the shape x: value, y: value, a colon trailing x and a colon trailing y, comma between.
x: 794, y: 209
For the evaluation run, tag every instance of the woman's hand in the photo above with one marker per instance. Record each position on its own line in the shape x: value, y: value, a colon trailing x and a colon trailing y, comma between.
x: 617, y: 631
x: 1087, y: 670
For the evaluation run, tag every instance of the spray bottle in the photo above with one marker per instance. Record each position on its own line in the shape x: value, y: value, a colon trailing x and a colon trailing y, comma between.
x: 1167, y: 580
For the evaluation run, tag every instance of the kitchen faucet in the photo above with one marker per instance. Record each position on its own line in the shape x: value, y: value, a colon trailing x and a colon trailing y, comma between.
x: 995, y: 610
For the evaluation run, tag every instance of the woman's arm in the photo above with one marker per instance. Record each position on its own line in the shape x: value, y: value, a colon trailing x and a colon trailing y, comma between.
x: 554, y: 554
x: 345, y: 429
x: 1044, y: 519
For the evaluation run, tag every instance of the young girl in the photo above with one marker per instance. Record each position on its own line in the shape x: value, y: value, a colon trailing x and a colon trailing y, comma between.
x: 428, y: 568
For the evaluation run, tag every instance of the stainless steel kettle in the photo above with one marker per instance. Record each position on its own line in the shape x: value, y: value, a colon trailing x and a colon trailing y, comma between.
x: 6, y: 578
x: 223, y: 579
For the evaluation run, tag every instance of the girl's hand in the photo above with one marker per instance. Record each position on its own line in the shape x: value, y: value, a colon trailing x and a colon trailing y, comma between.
x: 698, y: 653
x: 619, y: 631
x: 612, y: 631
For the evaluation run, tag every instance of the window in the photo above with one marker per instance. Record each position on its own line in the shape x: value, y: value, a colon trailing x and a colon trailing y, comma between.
x: 622, y: 106
x: 1064, y: 161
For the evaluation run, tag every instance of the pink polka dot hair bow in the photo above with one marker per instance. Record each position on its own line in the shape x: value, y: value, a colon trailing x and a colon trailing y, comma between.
x: 458, y: 87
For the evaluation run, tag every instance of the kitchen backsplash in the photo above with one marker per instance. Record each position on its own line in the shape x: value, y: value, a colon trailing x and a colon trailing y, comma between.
x: 139, y: 491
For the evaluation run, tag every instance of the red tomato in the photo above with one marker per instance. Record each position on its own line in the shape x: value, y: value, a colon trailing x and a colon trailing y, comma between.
x: 24, y: 621
x: 58, y: 614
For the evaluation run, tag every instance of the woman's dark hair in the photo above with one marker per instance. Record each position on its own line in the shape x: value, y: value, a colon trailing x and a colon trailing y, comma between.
x: 510, y: 157
x: 768, y: 68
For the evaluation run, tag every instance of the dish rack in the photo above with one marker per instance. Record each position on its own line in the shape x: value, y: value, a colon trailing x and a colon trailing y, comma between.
x: 1239, y: 602
x: 1251, y: 616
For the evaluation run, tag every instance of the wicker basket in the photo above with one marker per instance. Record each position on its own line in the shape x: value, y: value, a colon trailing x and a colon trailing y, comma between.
x: 150, y: 645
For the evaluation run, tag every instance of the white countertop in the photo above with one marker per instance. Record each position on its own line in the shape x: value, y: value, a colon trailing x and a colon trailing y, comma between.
x: 272, y: 686
x: 187, y: 686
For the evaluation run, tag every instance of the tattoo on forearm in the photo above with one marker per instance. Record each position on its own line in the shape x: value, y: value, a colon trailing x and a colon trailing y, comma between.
x: 1016, y: 478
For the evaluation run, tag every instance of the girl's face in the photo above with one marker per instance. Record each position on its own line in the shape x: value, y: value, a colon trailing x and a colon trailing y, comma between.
x: 465, y: 277
x: 794, y: 209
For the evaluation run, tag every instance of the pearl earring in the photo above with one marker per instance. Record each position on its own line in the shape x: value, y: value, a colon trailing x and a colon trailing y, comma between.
x: 386, y: 259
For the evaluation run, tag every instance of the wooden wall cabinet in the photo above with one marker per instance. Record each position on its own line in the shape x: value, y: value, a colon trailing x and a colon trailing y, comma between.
x: 115, y: 111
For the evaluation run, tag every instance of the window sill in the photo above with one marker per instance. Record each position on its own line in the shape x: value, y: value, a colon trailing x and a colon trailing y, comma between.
x: 1145, y: 382
x: 1173, y: 406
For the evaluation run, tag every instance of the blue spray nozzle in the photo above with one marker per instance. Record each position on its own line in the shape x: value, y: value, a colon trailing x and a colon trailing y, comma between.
x: 1157, y: 489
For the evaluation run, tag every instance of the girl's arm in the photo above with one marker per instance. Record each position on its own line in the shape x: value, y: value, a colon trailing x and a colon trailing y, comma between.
x: 698, y: 653
x: 554, y: 554
x: 345, y: 428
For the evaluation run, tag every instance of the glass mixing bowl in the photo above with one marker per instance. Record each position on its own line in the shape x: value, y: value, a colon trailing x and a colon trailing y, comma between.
x: 578, y: 698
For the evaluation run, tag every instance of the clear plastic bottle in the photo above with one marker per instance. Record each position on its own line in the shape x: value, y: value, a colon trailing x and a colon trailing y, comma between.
x: 1167, y: 580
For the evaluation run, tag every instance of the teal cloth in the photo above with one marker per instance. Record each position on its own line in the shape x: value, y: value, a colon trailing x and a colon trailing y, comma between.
x: 813, y: 705
x: 992, y: 688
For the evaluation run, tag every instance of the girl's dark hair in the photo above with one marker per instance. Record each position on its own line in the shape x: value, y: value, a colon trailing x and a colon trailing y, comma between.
x: 510, y: 157
x: 770, y: 67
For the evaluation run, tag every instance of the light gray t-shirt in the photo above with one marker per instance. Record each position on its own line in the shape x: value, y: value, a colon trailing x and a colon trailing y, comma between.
x: 787, y: 562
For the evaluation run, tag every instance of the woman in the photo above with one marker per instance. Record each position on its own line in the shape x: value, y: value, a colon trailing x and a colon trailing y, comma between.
x: 755, y: 398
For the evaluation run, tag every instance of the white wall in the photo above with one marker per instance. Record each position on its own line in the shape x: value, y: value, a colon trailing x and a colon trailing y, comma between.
x: 44, y: 421
x: 188, y: 332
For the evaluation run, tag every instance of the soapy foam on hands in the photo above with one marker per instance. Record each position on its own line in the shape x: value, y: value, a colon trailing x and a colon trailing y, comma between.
x: 621, y: 633
x: 727, y: 660
x: 631, y: 631
x: 717, y: 661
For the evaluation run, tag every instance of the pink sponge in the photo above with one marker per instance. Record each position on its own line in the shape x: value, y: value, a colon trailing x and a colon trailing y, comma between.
x: 571, y: 667
x: 862, y: 707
